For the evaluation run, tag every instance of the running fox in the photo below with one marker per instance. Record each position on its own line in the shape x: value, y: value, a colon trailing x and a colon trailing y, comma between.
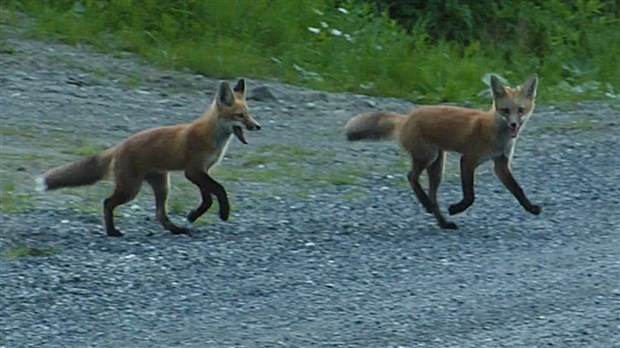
x: 428, y: 132
x: 149, y: 156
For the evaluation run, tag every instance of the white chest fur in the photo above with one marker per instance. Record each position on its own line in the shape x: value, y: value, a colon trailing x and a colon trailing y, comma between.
x: 222, y: 139
x: 503, y: 146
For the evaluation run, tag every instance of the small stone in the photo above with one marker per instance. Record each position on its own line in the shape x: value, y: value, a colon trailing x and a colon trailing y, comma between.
x: 261, y: 93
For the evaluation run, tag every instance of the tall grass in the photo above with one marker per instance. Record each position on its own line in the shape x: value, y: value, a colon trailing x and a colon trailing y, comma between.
x: 351, y: 46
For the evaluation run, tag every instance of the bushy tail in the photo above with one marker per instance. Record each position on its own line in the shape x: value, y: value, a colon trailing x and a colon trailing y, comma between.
x: 83, y: 172
x: 380, y: 125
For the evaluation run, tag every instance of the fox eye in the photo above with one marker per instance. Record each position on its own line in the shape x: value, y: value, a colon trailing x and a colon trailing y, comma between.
x: 504, y: 111
x: 240, y: 115
x: 520, y: 110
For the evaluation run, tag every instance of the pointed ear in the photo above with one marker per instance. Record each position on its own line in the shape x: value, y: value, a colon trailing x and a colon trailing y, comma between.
x: 239, y: 88
x: 530, y: 86
x: 497, y: 90
x: 225, y: 95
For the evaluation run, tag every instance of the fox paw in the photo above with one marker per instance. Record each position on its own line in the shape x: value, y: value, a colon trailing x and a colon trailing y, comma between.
x: 181, y: 230
x: 193, y: 216
x: 224, y: 213
x: 114, y: 233
x: 448, y: 225
x: 455, y: 209
x: 535, y: 209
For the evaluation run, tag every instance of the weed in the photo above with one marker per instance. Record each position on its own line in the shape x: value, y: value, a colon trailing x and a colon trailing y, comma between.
x: 83, y: 150
x: 12, y: 201
x: 580, y: 124
x: 6, y: 48
x: 24, y: 251
x: 8, y: 131
x: 354, y: 46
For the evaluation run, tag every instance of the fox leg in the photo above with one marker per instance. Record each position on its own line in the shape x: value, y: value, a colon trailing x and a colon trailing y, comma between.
x: 502, y: 170
x: 414, y: 181
x: 435, y: 171
x: 468, y: 169
x: 207, y: 187
x: 125, y: 190
x: 159, y: 183
x: 207, y: 200
x: 429, y: 204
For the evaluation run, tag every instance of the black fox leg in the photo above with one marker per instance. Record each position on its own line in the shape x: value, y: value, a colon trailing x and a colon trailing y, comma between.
x: 502, y: 170
x: 122, y: 194
x: 209, y: 186
x: 205, y: 204
x: 468, y: 169
x: 435, y: 171
x: 414, y: 181
x: 159, y: 183
x: 428, y: 204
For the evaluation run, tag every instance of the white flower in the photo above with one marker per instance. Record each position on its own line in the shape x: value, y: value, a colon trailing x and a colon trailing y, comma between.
x: 317, y: 11
x: 343, y: 10
x: 314, y: 30
x: 335, y: 32
x: 324, y: 25
x: 348, y: 37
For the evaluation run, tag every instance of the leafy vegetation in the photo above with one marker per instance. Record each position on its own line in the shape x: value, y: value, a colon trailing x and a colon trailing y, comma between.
x: 11, y: 200
x: 426, y: 51
x: 24, y: 251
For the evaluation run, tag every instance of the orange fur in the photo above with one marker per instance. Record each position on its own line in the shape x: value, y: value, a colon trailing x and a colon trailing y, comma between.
x: 149, y: 156
x: 428, y: 132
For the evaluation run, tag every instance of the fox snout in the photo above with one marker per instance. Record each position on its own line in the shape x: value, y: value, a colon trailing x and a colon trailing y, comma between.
x: 513, y: 128
x: 249, y: 124
x: 252, y: 126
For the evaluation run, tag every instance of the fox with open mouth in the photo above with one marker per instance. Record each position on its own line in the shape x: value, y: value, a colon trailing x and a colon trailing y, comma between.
x: 429, y: 131
x: 149, y: 156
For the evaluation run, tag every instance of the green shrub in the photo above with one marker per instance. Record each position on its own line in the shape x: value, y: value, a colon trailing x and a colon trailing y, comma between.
x: 426, y: 51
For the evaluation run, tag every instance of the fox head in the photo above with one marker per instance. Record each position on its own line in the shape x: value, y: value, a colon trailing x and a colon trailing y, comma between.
x: 514, y: 105
x: 233, y: 111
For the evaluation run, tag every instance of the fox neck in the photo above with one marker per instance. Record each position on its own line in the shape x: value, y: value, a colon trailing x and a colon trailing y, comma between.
x: 222, y: 131
x: 221, y: 136
x: 501, y: 127
x: 504, y: 143
x: 222, y: 146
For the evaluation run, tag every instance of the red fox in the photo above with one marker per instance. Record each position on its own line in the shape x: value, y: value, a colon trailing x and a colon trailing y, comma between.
x: 149, y: 156
x: 428, y: 132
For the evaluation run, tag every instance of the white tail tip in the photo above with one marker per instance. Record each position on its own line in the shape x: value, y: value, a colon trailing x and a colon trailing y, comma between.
x: 40, y: 184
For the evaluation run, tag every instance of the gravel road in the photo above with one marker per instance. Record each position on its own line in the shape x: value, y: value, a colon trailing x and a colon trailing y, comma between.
x: 334, y: 251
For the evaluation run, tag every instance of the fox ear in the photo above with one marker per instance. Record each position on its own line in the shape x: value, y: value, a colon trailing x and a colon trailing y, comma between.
x: 225, y: 95
x: 239, y: 88
x: 497, y: 90
x: 530, y: 86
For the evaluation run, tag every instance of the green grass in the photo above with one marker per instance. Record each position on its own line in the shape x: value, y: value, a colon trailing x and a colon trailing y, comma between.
x: 350, y: 46
x: 9, y: 131
x: 24, y: 251
x: 83, y: 150
x: 13, y: 201
x: 18, y: 156
x: 584, y: 124
x: 6, y: 48
x: 288, y: 165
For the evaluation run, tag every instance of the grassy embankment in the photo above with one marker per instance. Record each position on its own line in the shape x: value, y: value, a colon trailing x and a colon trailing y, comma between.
x: 439, y: 54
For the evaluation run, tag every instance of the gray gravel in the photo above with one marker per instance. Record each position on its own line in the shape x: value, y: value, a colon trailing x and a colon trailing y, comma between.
x: 290, y: 270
